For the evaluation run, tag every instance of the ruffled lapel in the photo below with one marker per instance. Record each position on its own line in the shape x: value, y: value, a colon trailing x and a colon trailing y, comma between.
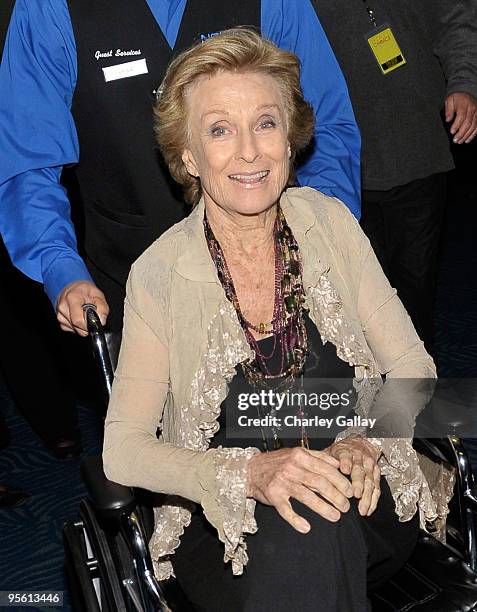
x: 323, y: 300
x: 226, y: 348
x: 326, y: 311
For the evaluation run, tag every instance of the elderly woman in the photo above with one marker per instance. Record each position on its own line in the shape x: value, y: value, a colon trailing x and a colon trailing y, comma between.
x: 259, y: 286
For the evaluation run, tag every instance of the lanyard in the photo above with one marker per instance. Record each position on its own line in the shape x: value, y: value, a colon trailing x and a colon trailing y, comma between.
x: 370, y: 12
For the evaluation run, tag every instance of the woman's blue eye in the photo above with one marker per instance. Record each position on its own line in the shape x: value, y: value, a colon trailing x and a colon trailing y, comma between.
x: 218, y: 131
x: 268, y: 123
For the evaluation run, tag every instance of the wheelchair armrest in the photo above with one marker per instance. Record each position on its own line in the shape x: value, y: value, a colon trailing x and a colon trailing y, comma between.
x: 109, y: 498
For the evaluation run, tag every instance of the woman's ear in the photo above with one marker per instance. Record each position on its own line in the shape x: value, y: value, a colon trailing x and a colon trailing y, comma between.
x: 189, y: 163
x: 289, y: 151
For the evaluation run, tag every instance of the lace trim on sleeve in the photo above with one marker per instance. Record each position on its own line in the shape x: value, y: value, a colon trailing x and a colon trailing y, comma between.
x: 409, y: 488
x: 235, y: 509
x: 170, y: 520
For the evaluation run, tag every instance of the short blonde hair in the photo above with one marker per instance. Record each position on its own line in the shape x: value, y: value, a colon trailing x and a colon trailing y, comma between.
x: 234, y: 50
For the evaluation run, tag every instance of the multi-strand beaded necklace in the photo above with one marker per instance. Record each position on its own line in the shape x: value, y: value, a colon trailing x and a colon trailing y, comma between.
x: 287, y: 326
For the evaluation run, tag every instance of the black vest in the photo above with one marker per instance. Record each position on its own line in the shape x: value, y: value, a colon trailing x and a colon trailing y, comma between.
x: 127, y: 195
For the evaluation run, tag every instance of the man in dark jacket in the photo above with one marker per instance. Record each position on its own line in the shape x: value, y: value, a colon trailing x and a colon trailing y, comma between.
x: 405, y: 63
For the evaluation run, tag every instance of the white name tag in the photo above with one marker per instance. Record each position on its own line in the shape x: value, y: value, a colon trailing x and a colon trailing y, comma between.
x: 123, y: 71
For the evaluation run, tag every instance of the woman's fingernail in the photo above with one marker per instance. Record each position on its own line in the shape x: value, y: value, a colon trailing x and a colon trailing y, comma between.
x: 304, y: 527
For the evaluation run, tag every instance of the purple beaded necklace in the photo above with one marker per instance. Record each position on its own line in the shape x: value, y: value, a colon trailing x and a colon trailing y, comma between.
x: 287, y: 325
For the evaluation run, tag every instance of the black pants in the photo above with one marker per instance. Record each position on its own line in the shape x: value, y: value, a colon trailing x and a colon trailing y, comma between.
x: 329, y: 569
x: 404, y: 226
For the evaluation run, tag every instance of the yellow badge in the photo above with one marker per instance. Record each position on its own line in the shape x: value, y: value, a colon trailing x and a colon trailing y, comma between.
x: 386, y: 50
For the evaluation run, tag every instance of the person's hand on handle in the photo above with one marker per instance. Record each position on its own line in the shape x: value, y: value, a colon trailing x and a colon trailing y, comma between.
x: 358, y: 458
x: 275, y: 477
x: 69, y: 308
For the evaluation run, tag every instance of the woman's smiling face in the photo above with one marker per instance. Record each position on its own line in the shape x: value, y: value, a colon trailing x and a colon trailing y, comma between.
x: 238, y: 144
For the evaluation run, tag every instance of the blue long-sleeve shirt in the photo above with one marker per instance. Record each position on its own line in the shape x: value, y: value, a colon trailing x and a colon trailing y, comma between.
x: 38, y: 135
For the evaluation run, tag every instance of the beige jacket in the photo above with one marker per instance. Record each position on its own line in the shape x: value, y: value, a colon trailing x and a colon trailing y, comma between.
x: 182, y: 342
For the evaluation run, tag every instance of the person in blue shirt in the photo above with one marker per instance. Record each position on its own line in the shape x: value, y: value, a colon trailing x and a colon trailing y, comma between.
x: 77, y: 82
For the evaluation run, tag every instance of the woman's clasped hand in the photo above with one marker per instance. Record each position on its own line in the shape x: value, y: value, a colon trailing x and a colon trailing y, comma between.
x: 317, y: 479
x: 359, y: 458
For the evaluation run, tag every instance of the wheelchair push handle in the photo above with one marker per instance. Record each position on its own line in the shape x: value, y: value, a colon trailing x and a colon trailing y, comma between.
x: 100, y: 347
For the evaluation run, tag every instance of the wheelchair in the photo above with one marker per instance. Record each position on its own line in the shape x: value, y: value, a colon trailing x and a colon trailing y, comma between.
x: 108, y: 567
